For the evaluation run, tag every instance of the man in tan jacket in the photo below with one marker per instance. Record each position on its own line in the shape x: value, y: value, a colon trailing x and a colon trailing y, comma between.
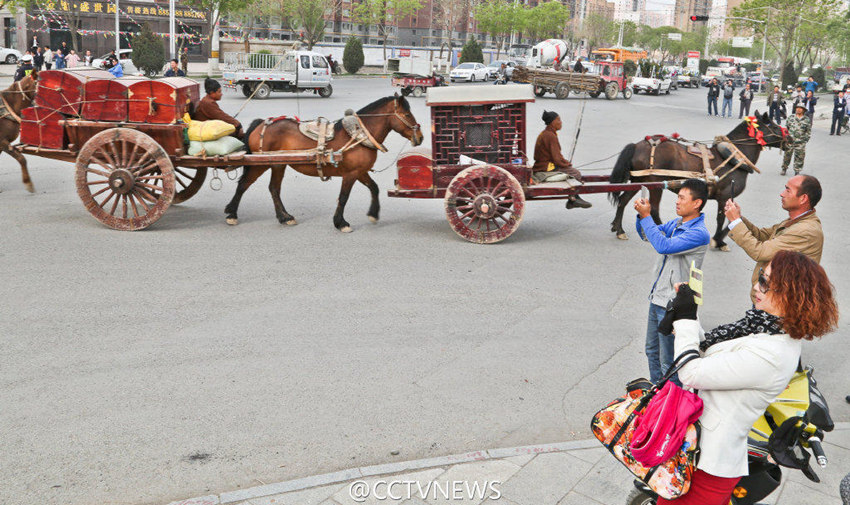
x: 801, y: 232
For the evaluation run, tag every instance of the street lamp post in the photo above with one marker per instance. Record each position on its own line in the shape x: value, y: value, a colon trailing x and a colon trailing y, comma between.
x: 117, y: 31
x: 171, y: 30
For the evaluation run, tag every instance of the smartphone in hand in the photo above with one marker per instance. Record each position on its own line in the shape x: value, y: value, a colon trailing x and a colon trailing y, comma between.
x: 644, y: 193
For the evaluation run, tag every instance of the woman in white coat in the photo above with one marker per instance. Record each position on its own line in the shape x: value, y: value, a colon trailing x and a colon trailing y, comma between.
x: 747, y: 364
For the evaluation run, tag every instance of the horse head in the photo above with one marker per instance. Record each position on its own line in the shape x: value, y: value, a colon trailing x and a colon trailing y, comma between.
x: 26, y: 88
x: 772, y: 134
x: 403, y: 121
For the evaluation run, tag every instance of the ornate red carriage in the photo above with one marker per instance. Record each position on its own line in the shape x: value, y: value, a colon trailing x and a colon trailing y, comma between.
x: 478, y: 162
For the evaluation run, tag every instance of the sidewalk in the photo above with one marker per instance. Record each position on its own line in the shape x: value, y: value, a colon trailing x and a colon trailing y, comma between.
x: 570, y: 473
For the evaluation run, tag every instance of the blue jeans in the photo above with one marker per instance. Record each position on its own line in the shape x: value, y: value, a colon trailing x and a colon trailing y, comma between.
x: 659, y: 348
x: 727, y: 102
x: 712, y: 101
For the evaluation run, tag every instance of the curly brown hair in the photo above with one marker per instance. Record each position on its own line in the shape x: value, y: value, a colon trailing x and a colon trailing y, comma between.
x: 804, y: 295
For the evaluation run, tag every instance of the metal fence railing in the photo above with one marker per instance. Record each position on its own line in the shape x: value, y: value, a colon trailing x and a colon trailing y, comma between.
x: 242, y: 61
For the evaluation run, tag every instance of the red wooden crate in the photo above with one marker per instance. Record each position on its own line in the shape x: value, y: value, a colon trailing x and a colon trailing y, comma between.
x: 162, y: 101
x: 106, y: 99
x: 62, y: 90
x: 41, y: 127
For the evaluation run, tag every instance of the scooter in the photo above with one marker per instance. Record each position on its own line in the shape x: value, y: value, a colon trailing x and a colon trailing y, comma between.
x: 780, y: 436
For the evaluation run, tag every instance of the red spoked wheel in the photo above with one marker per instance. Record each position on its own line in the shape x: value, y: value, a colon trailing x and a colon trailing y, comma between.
x: 484, y: 204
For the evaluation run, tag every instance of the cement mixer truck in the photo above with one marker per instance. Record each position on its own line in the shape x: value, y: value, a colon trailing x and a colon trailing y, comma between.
x: 546, y: 53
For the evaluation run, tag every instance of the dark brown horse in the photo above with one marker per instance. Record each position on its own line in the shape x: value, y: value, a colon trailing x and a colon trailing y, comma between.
x: 674, y: 156
x: 16, y: 98
x: 379, y: 118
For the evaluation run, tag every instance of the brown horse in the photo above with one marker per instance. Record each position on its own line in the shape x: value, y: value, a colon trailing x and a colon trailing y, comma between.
x: 16, y: 98
x: 674, y: 156
x: 379, y: 118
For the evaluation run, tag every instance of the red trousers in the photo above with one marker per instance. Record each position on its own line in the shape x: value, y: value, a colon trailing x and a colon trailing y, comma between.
x: 706, y: 489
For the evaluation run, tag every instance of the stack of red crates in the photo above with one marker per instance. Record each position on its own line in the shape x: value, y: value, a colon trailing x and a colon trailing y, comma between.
x: 96, y: 95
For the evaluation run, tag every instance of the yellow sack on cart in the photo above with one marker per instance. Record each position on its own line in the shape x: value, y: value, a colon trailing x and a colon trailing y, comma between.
x: 204, y: 131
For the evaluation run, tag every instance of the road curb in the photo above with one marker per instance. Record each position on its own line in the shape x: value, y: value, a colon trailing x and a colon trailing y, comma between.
x: 383, y: 469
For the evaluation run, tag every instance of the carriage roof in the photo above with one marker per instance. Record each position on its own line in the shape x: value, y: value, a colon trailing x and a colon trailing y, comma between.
x: 475, y: 95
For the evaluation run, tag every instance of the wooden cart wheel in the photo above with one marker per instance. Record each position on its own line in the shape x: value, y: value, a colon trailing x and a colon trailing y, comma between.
x: 188, y: 182
x: 562, y: 90
x: 124, y: 178
x: 611, y: 90
x: 484, y: 204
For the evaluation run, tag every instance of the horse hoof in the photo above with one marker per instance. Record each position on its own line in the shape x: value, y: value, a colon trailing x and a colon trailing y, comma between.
x: 373, y: 219
x: 232, y: 221
x: 345, y: 229
x: 30, y: 187
x: 712, y: 244
x: 622, y: 236
x: 291, y: 222
x: 725, y: 248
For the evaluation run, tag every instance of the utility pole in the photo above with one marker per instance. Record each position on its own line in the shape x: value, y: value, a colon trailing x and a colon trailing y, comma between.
x: 763, y: 49
x: 117, y: 32
x: 171, y: 30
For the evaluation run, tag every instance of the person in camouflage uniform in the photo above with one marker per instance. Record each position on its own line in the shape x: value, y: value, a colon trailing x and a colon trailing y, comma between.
x: 799, y: 131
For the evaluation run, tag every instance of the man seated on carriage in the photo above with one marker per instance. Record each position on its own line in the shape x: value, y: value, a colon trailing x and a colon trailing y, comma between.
x: 549, y: 164
x: 208, y: 107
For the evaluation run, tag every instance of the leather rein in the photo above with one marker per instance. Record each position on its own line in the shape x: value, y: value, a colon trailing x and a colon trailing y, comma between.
x: 8, y: 112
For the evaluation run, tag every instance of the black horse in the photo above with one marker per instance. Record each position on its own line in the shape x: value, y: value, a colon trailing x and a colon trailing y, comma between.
x: 750, y: 137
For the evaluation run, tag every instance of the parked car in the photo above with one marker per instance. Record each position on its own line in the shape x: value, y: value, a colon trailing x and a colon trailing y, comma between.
x: 689, y: 79
x: 494, y: 66
x: 653, y: 85
x: 124, y: 57
x: 10, y: 56
x: 469, y: 72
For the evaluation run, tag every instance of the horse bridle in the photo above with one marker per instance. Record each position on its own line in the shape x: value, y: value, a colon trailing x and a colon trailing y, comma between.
x: 8, y: 108
x: 413, y: 127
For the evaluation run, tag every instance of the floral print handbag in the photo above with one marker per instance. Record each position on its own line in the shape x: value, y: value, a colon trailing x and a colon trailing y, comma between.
x: 614, y: 427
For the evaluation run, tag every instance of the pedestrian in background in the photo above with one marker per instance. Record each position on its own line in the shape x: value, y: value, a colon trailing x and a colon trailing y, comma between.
x: 88, y: 58
x: 59, y: 59
x: 811, y: 85
x: 746, y: 97
x: 728, y: 94
x: 184, y: 60
x: 48, y: 57
x: 72, y: 60
x: 839, y: 109
x: 37, y: 58
x: 679, y: 243
x: 798, y: 94
x: 809, y: 102
x: 713, y: 93
x: 799, y: 133
x: 775, y: 101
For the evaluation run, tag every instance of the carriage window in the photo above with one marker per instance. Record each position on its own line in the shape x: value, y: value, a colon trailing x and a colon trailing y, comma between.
x: 606, y: 71
x: 305, y: 61
x: 319, y: 62
x: 478, y: 134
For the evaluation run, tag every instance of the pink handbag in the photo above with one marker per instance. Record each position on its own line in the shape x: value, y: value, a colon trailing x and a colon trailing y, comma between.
x: 661, y: 428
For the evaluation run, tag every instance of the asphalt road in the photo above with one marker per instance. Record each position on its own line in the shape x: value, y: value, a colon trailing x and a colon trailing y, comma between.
x: 192, y: 357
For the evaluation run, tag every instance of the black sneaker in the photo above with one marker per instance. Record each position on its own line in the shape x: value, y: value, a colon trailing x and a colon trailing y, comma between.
x: 577, y: 201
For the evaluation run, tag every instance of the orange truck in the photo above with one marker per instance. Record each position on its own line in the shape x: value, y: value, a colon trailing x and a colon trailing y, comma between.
x: 619, y: 54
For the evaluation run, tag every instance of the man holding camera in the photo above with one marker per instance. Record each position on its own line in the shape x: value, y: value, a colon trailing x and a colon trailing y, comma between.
x: 679, y: 242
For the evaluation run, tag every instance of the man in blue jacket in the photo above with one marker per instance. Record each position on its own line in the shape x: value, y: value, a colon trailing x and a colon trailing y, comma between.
x: 811, y: 85
x: 680, y: 242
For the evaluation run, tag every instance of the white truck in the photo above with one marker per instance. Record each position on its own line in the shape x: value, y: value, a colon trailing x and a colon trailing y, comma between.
x: 546, y: 53
x: 652, y: 84
x: 294, y: 72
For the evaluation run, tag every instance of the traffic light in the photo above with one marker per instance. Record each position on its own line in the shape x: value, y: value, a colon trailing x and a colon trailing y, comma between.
x: 699, y: 18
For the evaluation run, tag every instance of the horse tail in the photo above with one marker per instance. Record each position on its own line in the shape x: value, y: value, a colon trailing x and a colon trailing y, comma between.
x: 254, y: 124
x: 620, y: 174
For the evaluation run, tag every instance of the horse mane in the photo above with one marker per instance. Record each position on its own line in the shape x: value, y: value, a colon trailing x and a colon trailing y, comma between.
x: 254, y: 124
x: 377, y: 104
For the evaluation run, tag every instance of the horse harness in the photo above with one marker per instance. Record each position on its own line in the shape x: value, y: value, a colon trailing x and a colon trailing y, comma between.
x: 697, y: 149
x: 322, y: 131
x: 6, y: 109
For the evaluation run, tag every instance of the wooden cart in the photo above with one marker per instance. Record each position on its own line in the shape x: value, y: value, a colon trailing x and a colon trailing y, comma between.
x: 610, y: 81
x: 128, y: 174
x: 485, y: 200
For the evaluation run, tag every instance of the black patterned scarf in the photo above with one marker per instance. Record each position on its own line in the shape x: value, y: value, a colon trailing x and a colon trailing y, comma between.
x: 756, y: 321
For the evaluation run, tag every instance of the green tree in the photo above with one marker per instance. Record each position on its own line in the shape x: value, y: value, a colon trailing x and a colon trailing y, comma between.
x: 703, y: 65
x: 385, y: 14
x: 498, y: 18
x: 308, y: 18
x: 599, y: 31
x: 148, y: 52
x: 214, y: 10
x: 352, y: 56
x: 819, y: 76
x: 471, y: 51
x: 629, y: 67
x: 789, y: 75
x: 547, y: 19
x: 447, y: 14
